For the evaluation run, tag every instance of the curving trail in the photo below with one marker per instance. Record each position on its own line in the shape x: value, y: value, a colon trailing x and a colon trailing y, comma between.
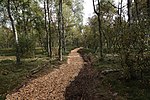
x: 53, y: 85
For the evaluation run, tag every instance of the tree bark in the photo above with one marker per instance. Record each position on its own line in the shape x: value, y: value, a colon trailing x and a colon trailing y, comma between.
x: 121, y: 13
x: 46, y: 29
x: 129, y: 11
x: 137, y: 10
x: 60, y: 29
x: 63, y: 36
x: 148, y: 7
x: 49, y: 30
x: 99, y: 24
x: 14, y: 32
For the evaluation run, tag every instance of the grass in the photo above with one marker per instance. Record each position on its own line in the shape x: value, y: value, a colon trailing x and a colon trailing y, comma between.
x: 126, y: 89
x: 129, y: 90
x: 13, y: 76
x: 7, y: 52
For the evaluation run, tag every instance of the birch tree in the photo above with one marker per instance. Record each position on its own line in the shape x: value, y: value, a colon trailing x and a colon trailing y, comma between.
x: 14, y: 31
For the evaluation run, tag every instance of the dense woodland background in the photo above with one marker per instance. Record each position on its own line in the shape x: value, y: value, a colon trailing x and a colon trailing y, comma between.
x: 38, y: 32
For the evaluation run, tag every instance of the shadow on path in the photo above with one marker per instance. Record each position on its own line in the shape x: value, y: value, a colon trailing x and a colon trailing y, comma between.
x: 85, y: 84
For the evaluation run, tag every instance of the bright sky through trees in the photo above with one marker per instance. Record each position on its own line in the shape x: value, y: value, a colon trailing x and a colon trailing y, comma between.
x: 88, y: 8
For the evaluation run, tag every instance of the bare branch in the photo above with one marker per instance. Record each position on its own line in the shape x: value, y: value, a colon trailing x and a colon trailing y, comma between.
x: 116, y: 6
x: 95, y: 8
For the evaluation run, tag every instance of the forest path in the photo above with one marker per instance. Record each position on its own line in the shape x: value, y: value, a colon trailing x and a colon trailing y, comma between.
x: 53, y: 85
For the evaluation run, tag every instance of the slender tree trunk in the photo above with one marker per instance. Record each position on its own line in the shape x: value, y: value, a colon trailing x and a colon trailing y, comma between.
x: 148, y: 12
x: 46, y: 29
x: 49, y: 30
x: 60, y: 30
x: 25, y: 27
x: 148, y: 8
x: 63, y: 36
x: 100, y: 33
x: 121, y: 13
x: 129, y: 11
x: 14, y: 32
x: 127, y: 62
x: 137, y: 10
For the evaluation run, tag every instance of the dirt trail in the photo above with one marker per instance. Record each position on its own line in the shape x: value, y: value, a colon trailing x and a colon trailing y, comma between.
x: 53, y: 85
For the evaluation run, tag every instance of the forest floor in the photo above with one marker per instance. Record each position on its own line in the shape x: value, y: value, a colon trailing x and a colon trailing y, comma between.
x: 53, y: 85
x: 80, y: 79
x: 75, y: 80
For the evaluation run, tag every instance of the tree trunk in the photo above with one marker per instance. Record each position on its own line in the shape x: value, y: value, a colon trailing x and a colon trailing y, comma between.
x: 148, y: 12
x: 46, y: 30
x: 129, y: 11
x: 60, y: 30
x: 63, y: 36
x: 49, y: 31
x: 14, y: 32
x: 100, y: 33
x: 128, y: 61
x: 121, y: 13
x: 148, y: 7
x: 137, y: 10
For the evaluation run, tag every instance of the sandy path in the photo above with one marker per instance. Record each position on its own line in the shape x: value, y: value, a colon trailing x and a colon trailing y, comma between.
x: 53, y: 85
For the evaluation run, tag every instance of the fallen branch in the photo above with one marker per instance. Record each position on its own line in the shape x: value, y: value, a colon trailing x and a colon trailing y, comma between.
x: 37, y: 69
x: 104, y: 72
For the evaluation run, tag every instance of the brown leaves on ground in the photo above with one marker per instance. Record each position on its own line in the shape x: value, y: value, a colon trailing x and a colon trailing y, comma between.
x: 76, y: 80
x: 51, y: 86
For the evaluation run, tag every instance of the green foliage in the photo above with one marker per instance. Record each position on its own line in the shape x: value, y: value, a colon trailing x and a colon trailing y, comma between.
x: 7, y: 52
x: 27, y: 46
x: 128, y: 41
x: 28, y: 18
x: 6, y: 39
x: 13, y: 76
x: 116, y: 81
x: 8, y: 61
x: 130, y: 90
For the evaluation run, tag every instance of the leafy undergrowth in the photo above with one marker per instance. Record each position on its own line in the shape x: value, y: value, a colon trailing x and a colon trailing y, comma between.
x: 112, y: 84
x: 12, y: 77
x: 130, y: 90
x: 7, y: 52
